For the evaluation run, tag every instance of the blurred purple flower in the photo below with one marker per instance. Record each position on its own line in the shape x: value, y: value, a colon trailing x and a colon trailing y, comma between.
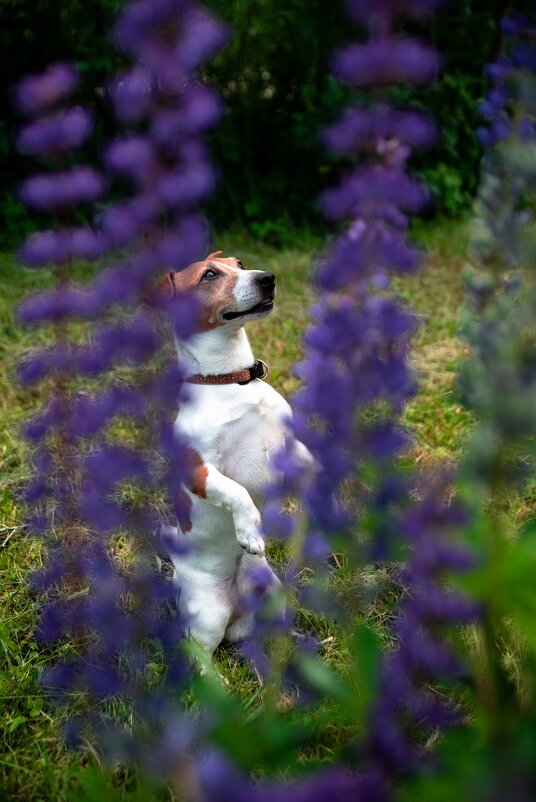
x: 371, y: 10
x: 200, y: 110
x: 134, y: 157
x: 220, y: 781
x: 514, y: 23
x: 38, y: 93
x: 46, y: 248
x: 357, y: 361
x: 371, y: 192
x: 131, y: 94
x: 170, y: 170
x: 46, y: 193
x: 385, y: 62
x: 366, y: 127
x: 62, y: 132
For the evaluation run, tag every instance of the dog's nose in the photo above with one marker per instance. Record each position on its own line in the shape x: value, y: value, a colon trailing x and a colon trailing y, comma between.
x: 266, y: 280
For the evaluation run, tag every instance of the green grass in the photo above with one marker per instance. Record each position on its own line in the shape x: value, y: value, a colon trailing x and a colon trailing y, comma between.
x: 34, y: 765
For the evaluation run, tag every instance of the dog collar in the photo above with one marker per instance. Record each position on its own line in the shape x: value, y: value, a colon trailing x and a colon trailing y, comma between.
x: 259, y: 370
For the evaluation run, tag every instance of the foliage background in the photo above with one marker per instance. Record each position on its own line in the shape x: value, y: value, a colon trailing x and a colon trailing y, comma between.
x: 274, y: 78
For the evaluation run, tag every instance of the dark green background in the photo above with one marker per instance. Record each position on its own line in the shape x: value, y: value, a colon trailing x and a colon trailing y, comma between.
x: 274, y: 77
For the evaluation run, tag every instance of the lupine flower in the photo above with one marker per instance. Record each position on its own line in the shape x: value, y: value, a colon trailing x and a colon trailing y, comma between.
x: 506, y: 88
x: 498, y: 382
x: 81, y: 495
x: 356, y: 359
x: 386, y: 62
x: 39, y: 93
x: 46, y: 193
x: 56, y: 134
x: 370, y: 10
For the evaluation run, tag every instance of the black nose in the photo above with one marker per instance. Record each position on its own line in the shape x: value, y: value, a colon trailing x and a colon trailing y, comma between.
x: 266, y: 280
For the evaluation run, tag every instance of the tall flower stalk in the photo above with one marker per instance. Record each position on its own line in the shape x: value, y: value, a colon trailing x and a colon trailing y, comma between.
x: 91, y: 486
x: 493, y: 757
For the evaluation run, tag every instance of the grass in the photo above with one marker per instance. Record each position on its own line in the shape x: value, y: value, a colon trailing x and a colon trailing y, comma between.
x: 34, y: 766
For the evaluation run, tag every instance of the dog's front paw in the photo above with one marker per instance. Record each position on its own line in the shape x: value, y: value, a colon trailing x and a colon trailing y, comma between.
x: 250, y: 538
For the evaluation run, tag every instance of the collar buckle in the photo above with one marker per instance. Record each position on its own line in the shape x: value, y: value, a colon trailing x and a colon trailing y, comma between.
x: 263, y: 368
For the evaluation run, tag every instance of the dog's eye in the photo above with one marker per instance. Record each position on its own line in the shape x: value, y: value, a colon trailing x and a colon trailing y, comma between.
x: 239, y: 263
x: 210, y: 273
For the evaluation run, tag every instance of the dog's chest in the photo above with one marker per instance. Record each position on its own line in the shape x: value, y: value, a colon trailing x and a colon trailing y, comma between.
x: 240, y: 434
x: 245, y: 447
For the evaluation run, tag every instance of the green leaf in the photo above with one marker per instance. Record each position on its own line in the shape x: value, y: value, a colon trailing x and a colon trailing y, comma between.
x: 324, y: 679
x: 365, y: 646
x: 16, y: 723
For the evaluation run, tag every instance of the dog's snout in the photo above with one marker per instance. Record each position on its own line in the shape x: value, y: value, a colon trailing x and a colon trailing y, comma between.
x: 266, y: 280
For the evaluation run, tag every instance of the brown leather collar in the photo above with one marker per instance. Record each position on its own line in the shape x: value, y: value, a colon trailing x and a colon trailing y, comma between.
x: 259, y: 370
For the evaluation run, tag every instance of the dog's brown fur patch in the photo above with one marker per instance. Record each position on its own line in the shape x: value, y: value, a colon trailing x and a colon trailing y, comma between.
x: 198, y: 473
x: 216, y: 295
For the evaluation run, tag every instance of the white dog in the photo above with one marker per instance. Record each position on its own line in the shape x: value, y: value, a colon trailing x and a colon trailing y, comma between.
x: 234, y: 423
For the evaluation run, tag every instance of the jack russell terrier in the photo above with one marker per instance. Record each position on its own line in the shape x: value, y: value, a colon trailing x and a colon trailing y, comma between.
x: 234, y: 423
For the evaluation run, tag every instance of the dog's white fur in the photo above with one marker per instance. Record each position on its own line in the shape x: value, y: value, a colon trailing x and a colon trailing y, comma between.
x: 235, y: 430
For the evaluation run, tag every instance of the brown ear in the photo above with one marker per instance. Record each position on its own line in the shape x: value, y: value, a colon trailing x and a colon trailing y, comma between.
x: 168, y: 283
x: 213, y: 255
x: 165, y: 287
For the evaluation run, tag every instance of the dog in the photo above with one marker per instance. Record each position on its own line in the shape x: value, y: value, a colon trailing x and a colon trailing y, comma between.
x: 234, y: 423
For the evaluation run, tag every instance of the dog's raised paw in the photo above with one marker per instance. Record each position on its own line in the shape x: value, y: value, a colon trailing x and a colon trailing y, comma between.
x: 251, y: 540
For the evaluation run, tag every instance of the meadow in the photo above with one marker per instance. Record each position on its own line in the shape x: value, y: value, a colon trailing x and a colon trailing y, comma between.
x: 34, y: 765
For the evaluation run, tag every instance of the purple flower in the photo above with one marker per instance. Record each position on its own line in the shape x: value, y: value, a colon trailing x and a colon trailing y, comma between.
x: 197, y: 37
x: 134, y: 157
x: 514, y: 23
x: 184, y: 313
x: 132, y: 95
x: 92, y: 413
x: 200, y: 110
x: 44, y: 248
x: 371, y: 192
x: 366, y: 127
x: 186, y: 187
x: 277, y: 524
x: 180, y: 248
x: 39, y: 93
x: 56, y: 134
x: 356, y: 379
x: 113, y: 464
x: 371, y: 10
x: 82, y: 492
x: 124, y: 222
x: 46, y: 193
x: 386, y: 62
x: 221, y: 782
x: 57, y: 305
x: 39, y: 426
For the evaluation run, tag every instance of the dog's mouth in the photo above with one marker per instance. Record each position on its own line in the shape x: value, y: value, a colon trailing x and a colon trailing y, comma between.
x: 263, y: 306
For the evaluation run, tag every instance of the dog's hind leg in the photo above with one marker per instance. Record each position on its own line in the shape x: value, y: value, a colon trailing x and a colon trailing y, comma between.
x: 240, y: 627
x: 206, y: 609
x: 255, y: 582
x: 208, y: 627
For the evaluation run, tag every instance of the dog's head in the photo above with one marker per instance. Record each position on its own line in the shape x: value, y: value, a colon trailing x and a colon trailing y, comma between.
x: 229, y: 294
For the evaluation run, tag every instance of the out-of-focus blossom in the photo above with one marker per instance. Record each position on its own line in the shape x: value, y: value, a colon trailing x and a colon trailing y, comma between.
x: 56, y: 134
x: 80, y: 494
x: 46, y: 193
x: 385, y: 62
x: 38, y: 93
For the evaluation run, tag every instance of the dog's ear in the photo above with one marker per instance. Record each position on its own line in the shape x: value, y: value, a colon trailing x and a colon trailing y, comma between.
x: 213, y: 255
x: 162, y: 291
